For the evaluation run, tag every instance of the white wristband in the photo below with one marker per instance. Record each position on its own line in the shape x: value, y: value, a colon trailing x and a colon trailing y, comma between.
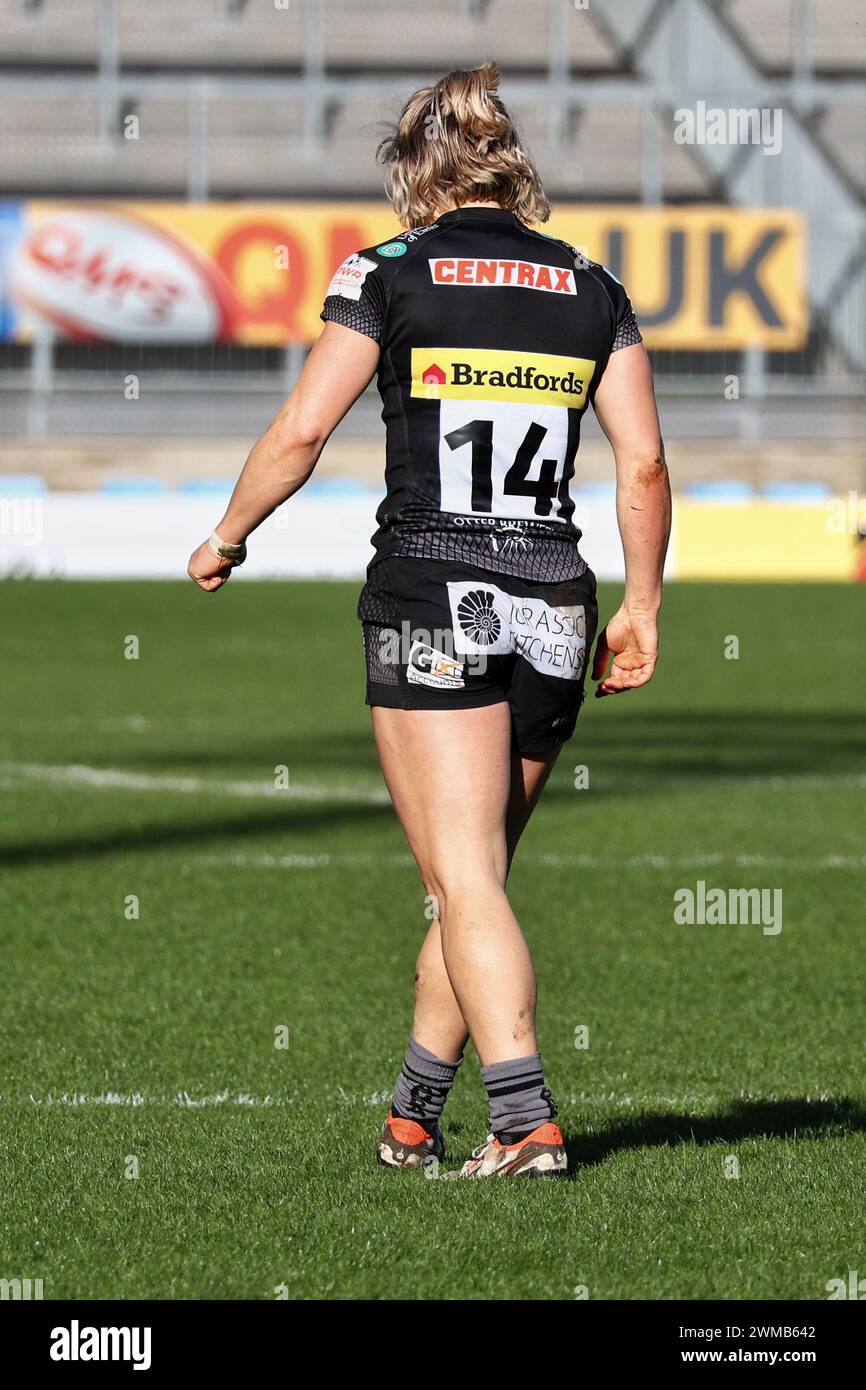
x: 235, y: 553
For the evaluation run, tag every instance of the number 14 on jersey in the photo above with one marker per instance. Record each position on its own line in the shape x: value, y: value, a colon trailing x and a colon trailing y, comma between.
x: 505, y: 460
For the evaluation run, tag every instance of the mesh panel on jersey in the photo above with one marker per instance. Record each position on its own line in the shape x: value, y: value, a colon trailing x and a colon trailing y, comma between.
x: 352, y: 314
x: 379, y: 672
x: 540, y: 559
x: 627, y: 332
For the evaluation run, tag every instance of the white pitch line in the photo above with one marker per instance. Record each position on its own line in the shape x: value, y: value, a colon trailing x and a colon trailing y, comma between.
x: 81, y: 1100
x: 13, y: 775
x: 549, y: 861
x: 134, y: 1099
x: 307, y: 861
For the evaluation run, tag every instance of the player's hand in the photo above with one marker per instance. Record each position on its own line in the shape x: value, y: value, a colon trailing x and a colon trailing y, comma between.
x: 632, y: 639
x: 207, y: 570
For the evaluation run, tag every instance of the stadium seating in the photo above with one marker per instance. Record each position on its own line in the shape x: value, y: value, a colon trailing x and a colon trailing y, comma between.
x: 842, y: 131
x: 215, y: 34
x: 219, y: 34
x: 836, y: 41
x: 58, y: 144
x: 129, y: 486
x: 49, y: 35
x: 55, y: 141
x: 61, y: 143
x: 22, y: 485
x: 725, y: 491
x: 795, y: 490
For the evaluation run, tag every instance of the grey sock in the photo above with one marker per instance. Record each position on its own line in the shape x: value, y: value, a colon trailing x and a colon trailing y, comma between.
x: 423, y: 1084
x: 519, y: 1099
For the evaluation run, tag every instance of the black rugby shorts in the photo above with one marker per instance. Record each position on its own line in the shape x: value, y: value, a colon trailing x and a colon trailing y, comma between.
x: 439, y: 635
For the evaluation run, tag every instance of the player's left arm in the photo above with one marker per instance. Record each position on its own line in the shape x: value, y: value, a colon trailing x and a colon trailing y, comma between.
x: 340, y: 366
x: 626, y: 409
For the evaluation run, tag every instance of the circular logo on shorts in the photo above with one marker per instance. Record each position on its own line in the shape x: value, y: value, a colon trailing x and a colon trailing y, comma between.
x: 478, y: 618
x: 392, y: 248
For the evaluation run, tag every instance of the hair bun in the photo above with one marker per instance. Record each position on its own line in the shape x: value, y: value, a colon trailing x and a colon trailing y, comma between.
x: 471, y: 100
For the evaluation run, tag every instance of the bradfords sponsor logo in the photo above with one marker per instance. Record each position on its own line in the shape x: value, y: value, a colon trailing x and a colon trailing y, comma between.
x: 523, y: 275
x: 489, y: 374
x: 98, y: 274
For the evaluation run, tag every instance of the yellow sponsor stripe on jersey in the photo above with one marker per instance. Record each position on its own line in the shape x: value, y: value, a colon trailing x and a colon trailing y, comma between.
x: 494, y: 374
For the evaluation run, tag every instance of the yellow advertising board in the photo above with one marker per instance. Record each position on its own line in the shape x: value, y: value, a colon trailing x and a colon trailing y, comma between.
x: 700, y: 278
x: 759, y: 540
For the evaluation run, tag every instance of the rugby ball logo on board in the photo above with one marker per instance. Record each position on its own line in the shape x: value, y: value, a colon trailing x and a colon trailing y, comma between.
x: 95, y: 274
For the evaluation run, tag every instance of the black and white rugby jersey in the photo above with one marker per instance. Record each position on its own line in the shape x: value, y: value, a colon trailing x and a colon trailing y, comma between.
x: 494, y: 338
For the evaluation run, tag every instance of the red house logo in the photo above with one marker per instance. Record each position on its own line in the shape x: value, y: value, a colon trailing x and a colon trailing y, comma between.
x: 433, y: 376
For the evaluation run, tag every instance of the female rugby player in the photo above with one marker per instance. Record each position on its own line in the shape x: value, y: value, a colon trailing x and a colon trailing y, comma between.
x: 489, y: 338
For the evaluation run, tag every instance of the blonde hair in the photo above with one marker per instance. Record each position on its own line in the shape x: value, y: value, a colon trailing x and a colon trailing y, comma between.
x: 456, y: 143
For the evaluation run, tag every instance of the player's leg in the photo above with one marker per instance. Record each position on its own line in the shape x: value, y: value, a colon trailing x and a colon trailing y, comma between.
x: 449, y: 774
x: 529, y: 776
x: 433, y: 1056
x: 438, y: 1022
x: 544, y: 699
x: 439, y: 1032
x: 417, y: 752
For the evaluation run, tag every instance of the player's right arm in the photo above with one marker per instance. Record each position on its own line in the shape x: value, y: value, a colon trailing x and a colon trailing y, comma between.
x: 626, y: 409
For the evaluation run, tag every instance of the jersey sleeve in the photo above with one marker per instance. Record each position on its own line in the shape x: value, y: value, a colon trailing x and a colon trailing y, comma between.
x: 626, y: 331
x: 356, y: 296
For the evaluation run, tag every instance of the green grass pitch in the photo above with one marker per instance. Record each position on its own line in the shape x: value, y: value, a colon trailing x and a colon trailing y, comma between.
x: 147, y: 1044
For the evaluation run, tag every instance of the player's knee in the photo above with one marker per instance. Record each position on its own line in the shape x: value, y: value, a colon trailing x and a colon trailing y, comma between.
x: 462, y: 878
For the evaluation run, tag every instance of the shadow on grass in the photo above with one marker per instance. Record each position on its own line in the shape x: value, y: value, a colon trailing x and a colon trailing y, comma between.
x: 705, y: 743
x: 223, y: 833
x: 306, y: 754
x: 790, y: 1118
x: 622, y: 744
